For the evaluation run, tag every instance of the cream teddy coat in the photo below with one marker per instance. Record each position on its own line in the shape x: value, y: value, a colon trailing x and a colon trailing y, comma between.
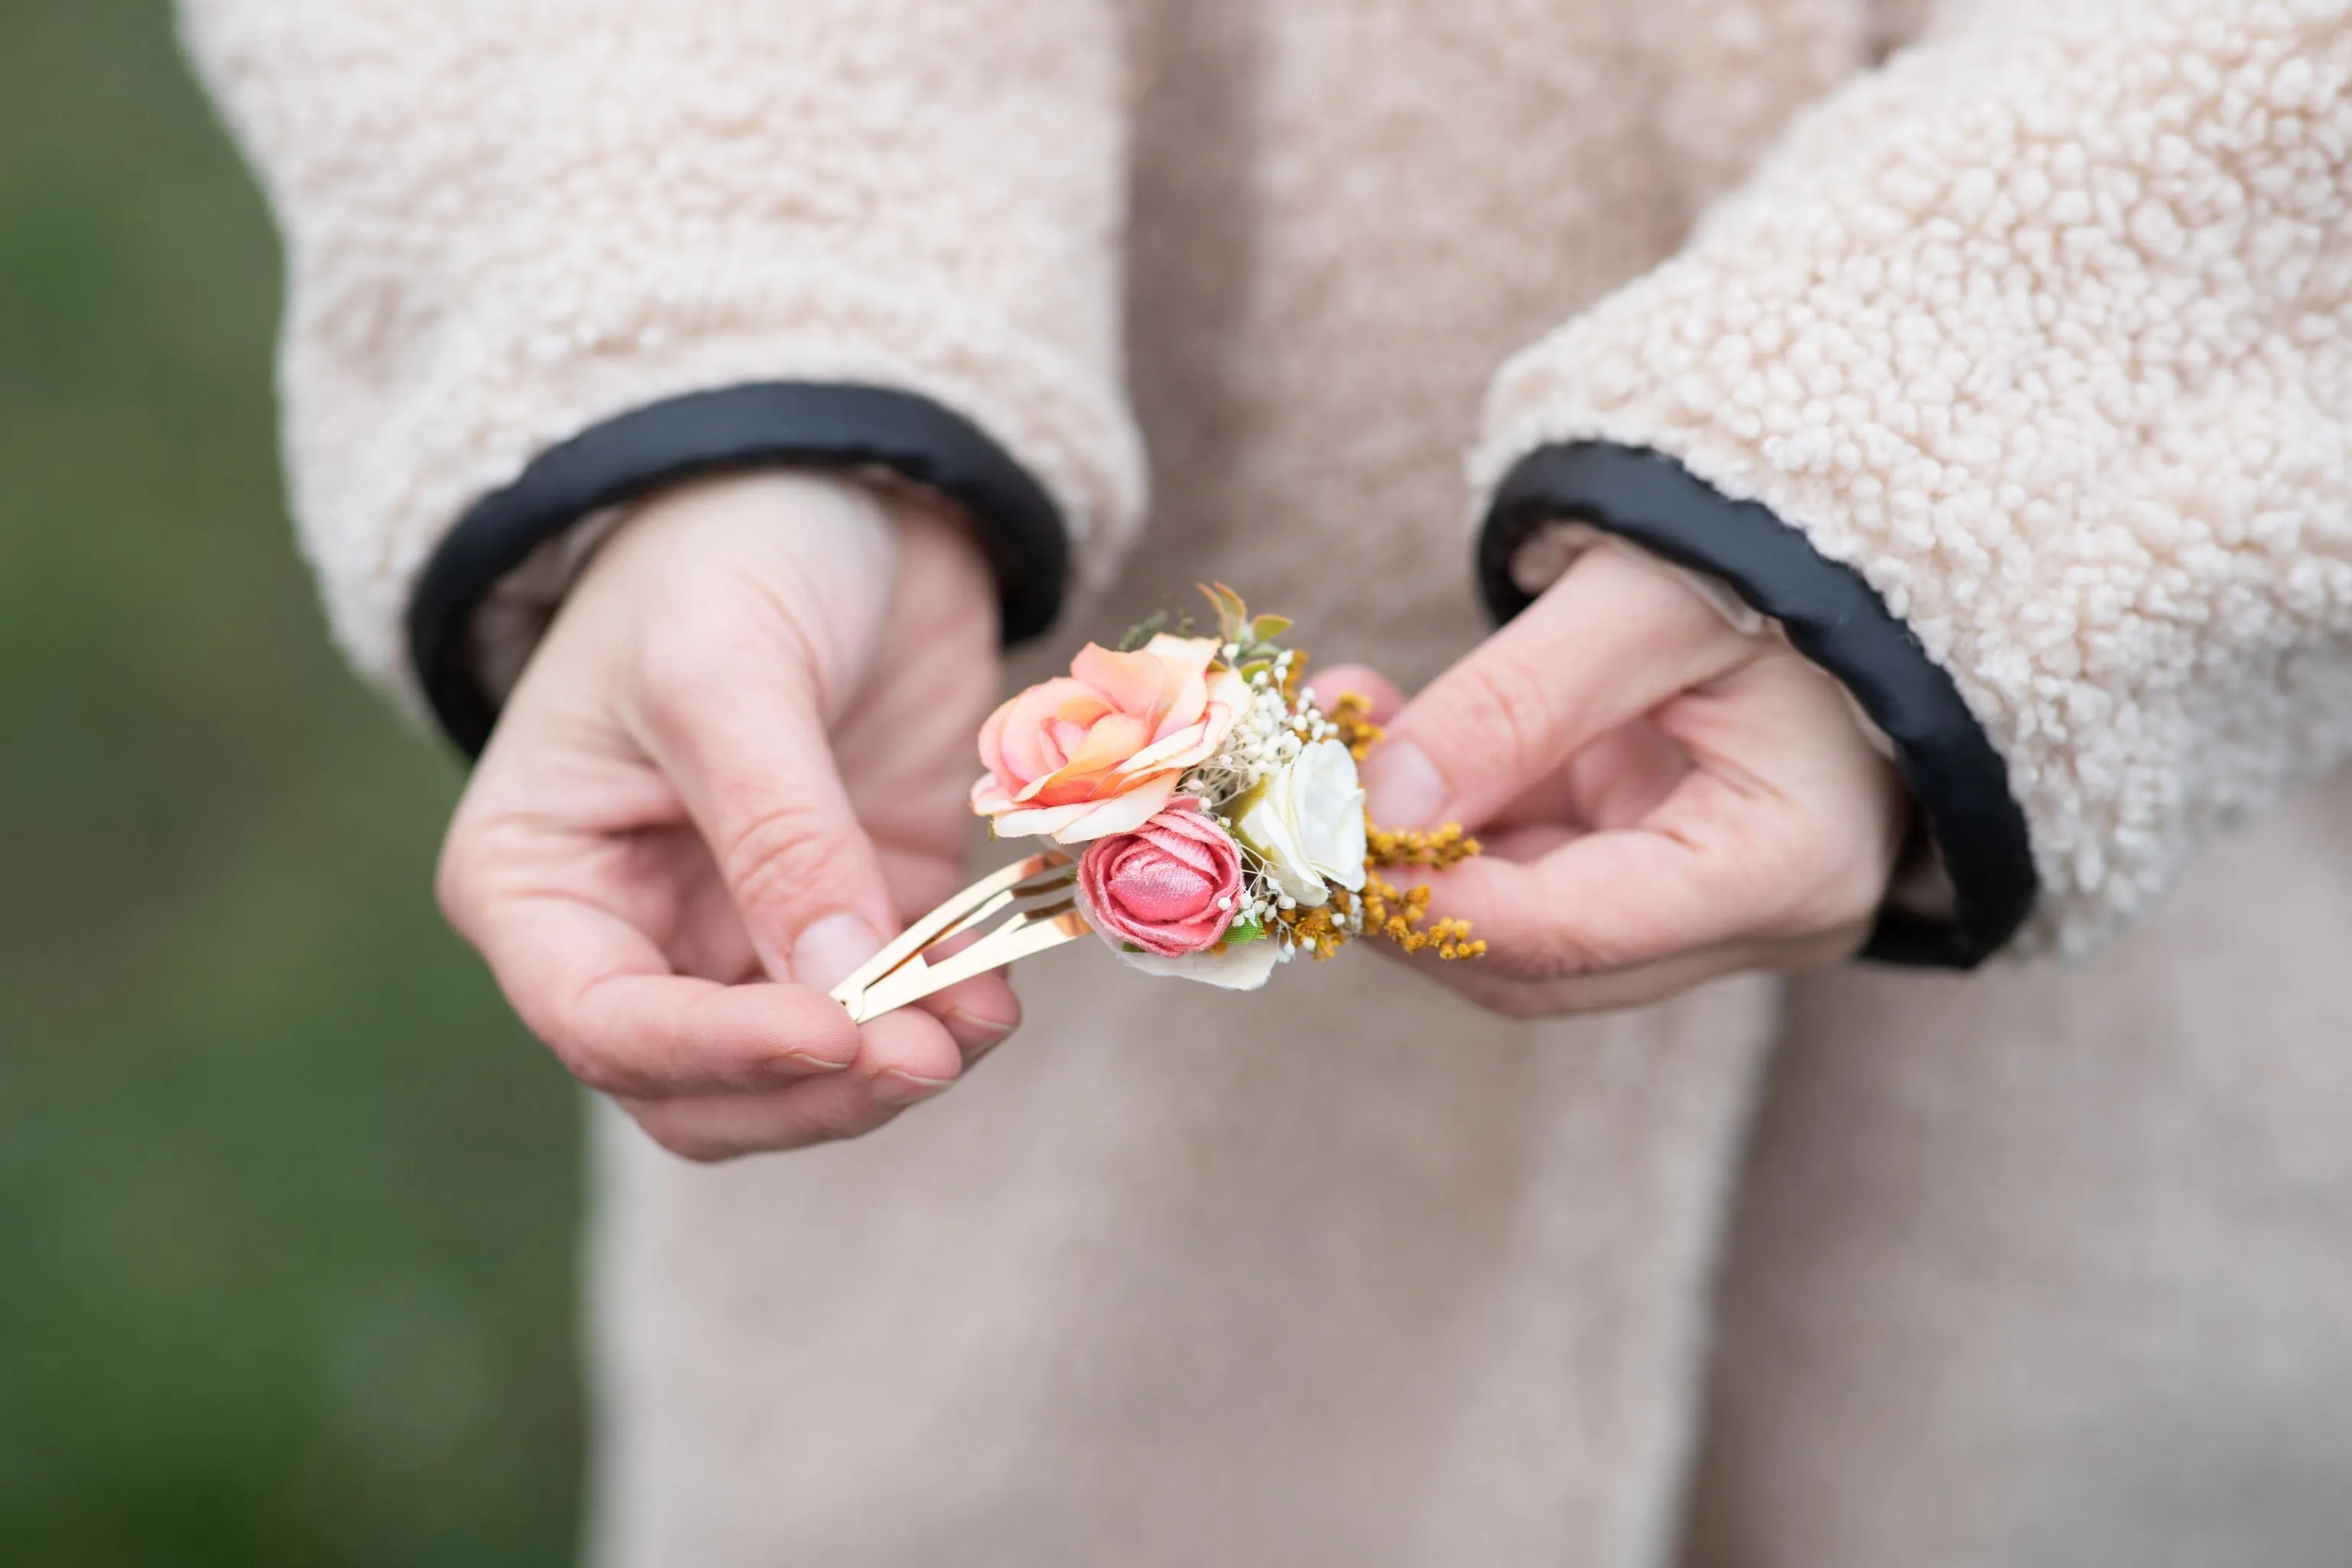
x: 2001, y: 351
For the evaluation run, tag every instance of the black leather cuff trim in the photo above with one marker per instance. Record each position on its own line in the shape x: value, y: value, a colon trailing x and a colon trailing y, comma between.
x: 706, y: 432
x: 1833, y: 616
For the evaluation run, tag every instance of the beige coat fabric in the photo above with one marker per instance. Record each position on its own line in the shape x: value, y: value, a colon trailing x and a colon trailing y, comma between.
x: 2042, y: 327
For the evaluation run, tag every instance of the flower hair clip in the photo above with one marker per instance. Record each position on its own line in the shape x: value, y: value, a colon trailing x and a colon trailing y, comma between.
x: 1200, y: 812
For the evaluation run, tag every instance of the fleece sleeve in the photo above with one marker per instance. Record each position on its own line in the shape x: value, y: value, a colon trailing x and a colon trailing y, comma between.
x: 2018, y: 385
x: 543, y: 255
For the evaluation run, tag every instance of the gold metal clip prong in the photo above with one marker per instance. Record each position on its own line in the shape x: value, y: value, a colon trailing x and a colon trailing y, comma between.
x: 1041, y: 893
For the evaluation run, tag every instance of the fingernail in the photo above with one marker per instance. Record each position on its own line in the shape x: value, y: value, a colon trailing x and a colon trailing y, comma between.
x: 800, y: 1064
x: 1401, y: 787
x: 895, y: 1087
x: 985, y: 1034
x: 830, y: 950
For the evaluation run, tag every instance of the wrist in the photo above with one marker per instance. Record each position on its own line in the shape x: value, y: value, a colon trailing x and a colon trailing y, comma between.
x: 520, y: 608
x: 704, y: 575
x: 827, y: 526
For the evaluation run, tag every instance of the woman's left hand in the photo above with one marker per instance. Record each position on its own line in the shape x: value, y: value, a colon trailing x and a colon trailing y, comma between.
x: 1664, y: 798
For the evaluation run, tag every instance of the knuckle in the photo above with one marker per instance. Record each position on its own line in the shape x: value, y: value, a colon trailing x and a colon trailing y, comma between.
x: 1505, y: 708
x: 1530, y: 958
x: 1828, y: 948
x: 1827, y: 881
x: 1751, y: 871
x: 682, y: 1134
x: 1763, y: 893
x: 1520, y: 1003
x: 682, y: 667
x: 694, y: 1149
x: 1556, y: 945
x: 1855, y: 892
x: 837, y: 1122
x: 593, y: 1068
x: 456, y: 879
x: 1558, y: 953
x: 577, y: 1031
x: 1674, y: 613
x: 1530, y: 940
x: 781, y: 851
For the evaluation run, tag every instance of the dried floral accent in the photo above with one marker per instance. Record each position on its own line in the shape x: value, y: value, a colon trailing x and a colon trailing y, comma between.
x: 1222, y: 739
x: 1435, y: 847
x: 1399, y: 915
x: 1351, y: 721
x: 1320, y: 931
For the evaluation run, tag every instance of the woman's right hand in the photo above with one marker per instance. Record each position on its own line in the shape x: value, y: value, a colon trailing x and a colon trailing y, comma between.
x: 734, y: 766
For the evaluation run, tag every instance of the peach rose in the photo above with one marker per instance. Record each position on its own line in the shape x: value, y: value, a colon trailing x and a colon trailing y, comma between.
x: 1099, y: 751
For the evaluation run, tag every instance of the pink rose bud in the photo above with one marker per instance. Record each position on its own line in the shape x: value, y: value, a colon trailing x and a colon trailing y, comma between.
x: 1160, y: 887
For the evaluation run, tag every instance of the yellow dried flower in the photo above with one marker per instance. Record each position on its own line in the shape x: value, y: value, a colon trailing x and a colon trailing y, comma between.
x: 1399, y: 915
x: 1316, y: 930
x: 1435, y: 847
x: 1351, y: 716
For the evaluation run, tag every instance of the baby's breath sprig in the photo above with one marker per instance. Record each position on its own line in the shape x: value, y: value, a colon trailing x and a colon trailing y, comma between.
x: 1320, y: 931
x: 1279, y: 721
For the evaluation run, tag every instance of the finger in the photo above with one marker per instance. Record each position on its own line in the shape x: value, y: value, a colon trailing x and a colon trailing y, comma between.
x: 1608, y: 642
x: 1614, y: 782
x: 1700, y: 875
x: 738, y: 732
x: 1625, y: 775
x: 1787, y: 827
x: 757, y: 774
x: 1726, y: 858
x: 980, y: 1014
x: 922, y: 1062
x: 600, y: 994
x: 1645, y: 984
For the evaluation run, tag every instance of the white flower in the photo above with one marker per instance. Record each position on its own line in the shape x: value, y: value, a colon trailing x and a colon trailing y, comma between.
x: 1305, y: 820
x: 1243, y: 966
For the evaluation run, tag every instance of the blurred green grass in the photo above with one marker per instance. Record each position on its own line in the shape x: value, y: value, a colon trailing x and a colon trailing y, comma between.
x: 288, y: 1204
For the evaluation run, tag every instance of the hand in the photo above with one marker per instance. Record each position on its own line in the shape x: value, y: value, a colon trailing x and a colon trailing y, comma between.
x: 1663, y: 799
x: 737, y: 761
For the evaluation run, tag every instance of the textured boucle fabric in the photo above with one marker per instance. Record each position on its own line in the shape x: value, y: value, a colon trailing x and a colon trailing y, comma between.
x: 2047, y: 330
x: 2031, y: 1267
x: 506, y: 221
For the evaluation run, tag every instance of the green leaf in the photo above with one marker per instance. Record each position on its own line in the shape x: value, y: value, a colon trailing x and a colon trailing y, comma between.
x: 1144, y: 631
x: 1245, y: 932
x: 1266, y: 629
x: 1232, y: 615
x: 1128, y: 947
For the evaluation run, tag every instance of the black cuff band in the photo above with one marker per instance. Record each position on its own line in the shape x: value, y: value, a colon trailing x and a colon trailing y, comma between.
x: 707, y: 432
x: 1835, y: 620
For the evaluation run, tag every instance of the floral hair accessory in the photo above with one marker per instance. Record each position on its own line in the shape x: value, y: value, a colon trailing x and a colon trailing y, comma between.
x: 1198, y: 810
x: 1102, y: 749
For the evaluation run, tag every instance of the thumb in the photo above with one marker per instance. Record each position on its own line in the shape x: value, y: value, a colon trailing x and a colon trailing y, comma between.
x: 1611, y: 640
x: 1362, y: 681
